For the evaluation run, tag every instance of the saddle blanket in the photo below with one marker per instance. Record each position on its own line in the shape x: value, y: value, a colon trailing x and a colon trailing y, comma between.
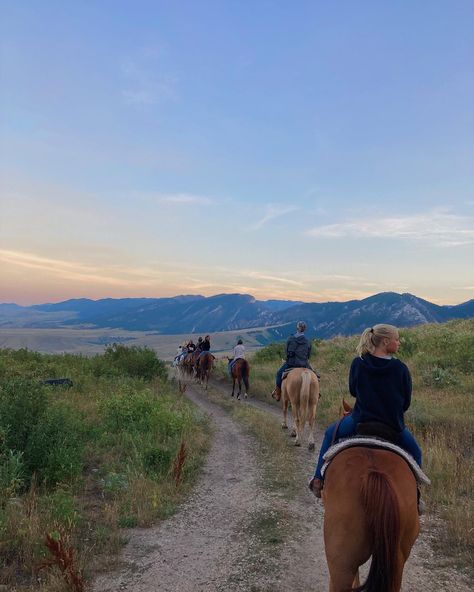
x: 373, y: 442
x: 286, y: 372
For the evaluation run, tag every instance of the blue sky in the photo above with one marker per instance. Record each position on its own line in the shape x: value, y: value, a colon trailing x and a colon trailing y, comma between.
x: 307, y: 150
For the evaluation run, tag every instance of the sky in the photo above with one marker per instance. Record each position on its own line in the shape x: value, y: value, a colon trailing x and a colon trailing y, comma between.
x: 307, y: 150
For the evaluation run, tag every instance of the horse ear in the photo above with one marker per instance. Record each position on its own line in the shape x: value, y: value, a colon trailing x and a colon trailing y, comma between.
x: 346, y: 407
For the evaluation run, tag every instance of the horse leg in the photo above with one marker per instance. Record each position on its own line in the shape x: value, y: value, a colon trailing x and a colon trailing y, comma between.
x: 311, y: 419
x: 240, y: 388
x: 284, y: 425
x: 297, y: 429
x: 233, y: 386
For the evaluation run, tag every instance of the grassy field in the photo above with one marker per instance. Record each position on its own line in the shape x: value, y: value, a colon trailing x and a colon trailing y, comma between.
x: 441, y: 361
x: 77, y: 465
x: 93, y: 341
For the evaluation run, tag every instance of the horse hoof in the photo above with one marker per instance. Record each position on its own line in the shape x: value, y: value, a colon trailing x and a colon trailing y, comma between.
x: 297, y: 443
x: 293, y: 435
x: 284, y: 426
x: 311, y: 446
x: 245, y: 396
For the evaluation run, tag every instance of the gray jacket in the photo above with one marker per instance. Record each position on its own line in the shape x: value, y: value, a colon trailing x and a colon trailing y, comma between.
x: 298, y: 350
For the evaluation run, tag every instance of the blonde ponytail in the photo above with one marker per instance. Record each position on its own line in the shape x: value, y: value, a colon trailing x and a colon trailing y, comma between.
x: 373, y: 336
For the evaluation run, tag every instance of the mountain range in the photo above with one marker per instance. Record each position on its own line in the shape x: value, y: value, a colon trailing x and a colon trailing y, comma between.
x: 230, y: 312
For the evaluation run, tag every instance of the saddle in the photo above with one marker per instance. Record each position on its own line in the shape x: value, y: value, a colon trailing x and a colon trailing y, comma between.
x: 375, y: 442
x: 288, y: 370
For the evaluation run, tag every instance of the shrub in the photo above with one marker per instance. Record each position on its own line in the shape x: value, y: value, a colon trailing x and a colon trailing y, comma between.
x: 271, y: 353
x: 137, y: 362
x: 11, y: 470
x: 22, y: 402
x: 54, y: 450
x: 157, y: 461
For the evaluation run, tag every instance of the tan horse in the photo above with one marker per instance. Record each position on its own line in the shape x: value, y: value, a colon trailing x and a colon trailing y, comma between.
x: 300, y: 389
x: 370, y: 501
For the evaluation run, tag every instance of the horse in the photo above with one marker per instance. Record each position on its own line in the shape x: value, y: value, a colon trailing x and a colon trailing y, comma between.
x: 187, y: 364
x: 370, y: 501
x: 240, y: 372
x: 301, y: 389
x: 370, y: 498
x: 204, y: 367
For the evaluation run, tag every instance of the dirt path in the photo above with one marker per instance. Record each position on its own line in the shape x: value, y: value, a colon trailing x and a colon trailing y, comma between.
x: 214, y: 542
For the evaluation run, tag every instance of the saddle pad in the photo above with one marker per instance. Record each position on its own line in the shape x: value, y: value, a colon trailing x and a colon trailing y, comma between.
x: 420, y: 476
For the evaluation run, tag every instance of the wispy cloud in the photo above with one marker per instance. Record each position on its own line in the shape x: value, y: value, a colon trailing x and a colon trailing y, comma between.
x: 273, y: 211
x: 147, y: 83
x: 183, y: 198
x: 437, y: 227
x: 272, y: 278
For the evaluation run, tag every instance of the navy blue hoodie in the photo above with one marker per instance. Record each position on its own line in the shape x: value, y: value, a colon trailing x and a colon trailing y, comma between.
x: 382, y: 388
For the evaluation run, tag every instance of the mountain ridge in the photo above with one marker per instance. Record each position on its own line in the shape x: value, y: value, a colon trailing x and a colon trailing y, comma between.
x: 230, y: 312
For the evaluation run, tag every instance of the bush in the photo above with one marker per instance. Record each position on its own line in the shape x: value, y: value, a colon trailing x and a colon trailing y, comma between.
x: 11, y: 470
x: 137, y: 362
x: 271, y: 353
x: 54, y: 450
x: 22, y: 402
x: 157, y: 461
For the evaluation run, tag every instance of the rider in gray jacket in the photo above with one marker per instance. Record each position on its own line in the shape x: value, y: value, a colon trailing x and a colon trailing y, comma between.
x: 298, y: 351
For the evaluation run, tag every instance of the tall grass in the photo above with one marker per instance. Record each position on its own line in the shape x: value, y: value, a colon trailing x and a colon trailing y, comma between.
x: 78, y: 464
x: 441, y: 361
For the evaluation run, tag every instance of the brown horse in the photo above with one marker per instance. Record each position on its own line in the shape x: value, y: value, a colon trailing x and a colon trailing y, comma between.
x: 240, y: 372
x: 370, y: 500
x: 300, y: 389
x: 204, y: 367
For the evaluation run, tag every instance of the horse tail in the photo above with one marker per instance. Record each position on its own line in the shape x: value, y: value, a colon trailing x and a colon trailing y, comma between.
x: 245, y: 371
x: 304, y: 396
x: 383, y: 520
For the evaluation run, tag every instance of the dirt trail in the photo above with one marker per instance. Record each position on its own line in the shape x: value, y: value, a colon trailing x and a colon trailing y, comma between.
x: 212, y: 543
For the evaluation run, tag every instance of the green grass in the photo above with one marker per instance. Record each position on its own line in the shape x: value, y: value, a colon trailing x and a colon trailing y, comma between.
x: 86, y: 461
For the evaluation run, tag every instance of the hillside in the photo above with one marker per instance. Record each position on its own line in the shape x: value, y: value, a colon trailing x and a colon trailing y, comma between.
x: 231, y: 312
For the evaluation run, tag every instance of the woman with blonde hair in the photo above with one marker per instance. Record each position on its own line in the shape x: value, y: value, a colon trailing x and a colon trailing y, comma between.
x: 382, y: 387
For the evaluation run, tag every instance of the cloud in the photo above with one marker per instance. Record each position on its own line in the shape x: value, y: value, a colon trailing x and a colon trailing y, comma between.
x: 183, y: 198
x: 272, y: 212
x: 272, y: 278
x: 146, y: 85
x: 438, y: 228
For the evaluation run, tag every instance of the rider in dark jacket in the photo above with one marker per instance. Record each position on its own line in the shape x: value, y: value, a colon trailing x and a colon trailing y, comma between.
x: 298, y: 351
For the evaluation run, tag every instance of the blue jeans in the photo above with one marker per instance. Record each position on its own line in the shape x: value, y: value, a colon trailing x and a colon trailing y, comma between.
x: 347, y: 428
x: 279, y: 374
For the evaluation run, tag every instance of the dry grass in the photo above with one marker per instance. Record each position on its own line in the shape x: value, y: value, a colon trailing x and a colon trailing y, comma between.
x: 441, y: 361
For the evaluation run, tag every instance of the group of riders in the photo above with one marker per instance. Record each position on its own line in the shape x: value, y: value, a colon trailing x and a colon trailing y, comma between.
x: 380, y: 383
x: 202, y: 346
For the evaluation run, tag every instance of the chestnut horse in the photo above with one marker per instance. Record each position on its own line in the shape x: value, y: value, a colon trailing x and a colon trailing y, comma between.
x: 240, y: 372
x: 370, y: 510
x: 204, y: 367
x: 300, y: 389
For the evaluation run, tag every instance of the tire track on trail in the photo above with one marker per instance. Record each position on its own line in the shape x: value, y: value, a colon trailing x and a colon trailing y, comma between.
x: 210, y: 544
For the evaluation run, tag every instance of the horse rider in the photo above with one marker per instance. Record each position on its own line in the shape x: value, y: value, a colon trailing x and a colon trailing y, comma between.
x: 190, y: 346
x: 238, y: 353
x: 298, y: 351
x: 180, y: 354
x: 382, y: 387
x: 199, y: 344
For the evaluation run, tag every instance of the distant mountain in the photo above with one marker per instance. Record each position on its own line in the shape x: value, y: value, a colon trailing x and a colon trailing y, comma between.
x: 230, y: 312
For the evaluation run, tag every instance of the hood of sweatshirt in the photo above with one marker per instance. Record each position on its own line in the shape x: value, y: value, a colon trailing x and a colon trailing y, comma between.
x: 378, y: 365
